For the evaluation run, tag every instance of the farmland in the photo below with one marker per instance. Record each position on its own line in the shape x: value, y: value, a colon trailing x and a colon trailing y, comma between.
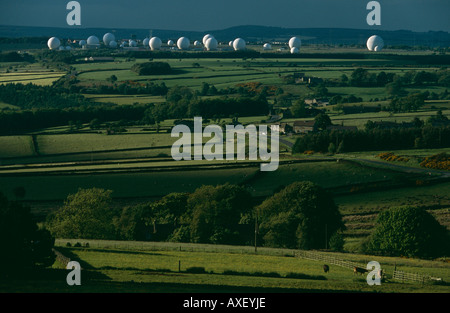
x: 52, y: 163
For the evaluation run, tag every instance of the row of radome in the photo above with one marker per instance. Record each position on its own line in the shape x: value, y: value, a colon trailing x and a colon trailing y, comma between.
x: 374, y: 43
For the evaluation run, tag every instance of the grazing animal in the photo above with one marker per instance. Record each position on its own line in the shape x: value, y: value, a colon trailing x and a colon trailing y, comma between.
x: 359, y: 270
x: 326, y: 268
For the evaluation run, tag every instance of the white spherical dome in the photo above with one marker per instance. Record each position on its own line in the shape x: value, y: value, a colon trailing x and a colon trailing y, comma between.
x: 107, y: 38
x: 132, y: 43
x: 68, y: 48
x: 294, y: 50
x: 197, y: 43
x: 146, y: 42
x: 155, y: 43
x: 170, y: 43
x: 211, y: 44
x: 206, y: 37
x: 82, y: 42
x: 239, y: 44
x: 53, y: 43
x: 183, y: 43
x: 113, y: 44
x: 295, y: 42
x: 93, y: 40
x: 267, y: 46
x: 375, y: 43
x: 230, y: 43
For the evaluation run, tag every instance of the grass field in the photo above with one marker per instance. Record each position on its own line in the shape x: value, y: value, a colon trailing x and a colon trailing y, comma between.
x: 144, y: 263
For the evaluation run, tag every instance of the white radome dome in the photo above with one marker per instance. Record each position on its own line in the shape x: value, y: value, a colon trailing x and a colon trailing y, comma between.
x: 132, y: 43
x: 183, y: 43
x: 267, y: 46
x: 146, y: 42
x: 197, y: 43
x: 113, y: 44
x: 107, y: 38
x: 211, y: 44
x: 230, y: 43
x: 295, y: 50
x: 239, y: 44
x: 82, y: 43
x: 375, y: 43
x: 68, y: 48
x: 155, y: 43
x: 93, y: 40
x: 170, y: 43
x: 206, y: 37
x: 53, y: 43
x: 62, y: 48
x: 295, y: 42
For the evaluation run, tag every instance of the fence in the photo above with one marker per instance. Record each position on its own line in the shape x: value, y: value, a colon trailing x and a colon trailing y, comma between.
x: 311, y: 255
x: 414, y: 277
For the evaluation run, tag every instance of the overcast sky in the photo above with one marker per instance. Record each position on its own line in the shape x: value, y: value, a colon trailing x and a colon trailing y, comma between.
x: 202, y: 15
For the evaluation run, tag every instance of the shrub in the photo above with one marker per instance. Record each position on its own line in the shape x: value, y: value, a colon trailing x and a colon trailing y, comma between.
x: 152, y: 68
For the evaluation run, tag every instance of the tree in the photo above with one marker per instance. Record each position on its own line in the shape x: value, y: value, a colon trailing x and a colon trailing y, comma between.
x: 408, y: 231
x: 298, y: 109
x: 301, y: 216
x: 86, y: 214
x: 217, y: 213
x: 322, y: 121
x: 24, y: 245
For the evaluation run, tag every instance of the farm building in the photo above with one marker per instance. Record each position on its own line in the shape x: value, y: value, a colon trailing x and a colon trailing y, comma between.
x: 303, y: 127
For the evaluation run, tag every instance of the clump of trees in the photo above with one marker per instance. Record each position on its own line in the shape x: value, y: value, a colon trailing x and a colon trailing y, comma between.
x: 152, y: 68
x: 408, y: 231
x: 24, y: 245
x: 301, y: 216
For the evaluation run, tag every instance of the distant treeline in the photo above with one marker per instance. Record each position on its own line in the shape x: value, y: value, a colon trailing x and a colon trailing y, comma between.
x: 12, y: 122
x: 16, y: 57
x: 375, y: 139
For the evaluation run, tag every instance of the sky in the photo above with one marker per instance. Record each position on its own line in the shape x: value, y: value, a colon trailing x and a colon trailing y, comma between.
x: 203, y: 15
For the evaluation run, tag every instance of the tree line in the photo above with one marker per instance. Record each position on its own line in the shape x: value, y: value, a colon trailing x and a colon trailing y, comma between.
x: 375, y: 139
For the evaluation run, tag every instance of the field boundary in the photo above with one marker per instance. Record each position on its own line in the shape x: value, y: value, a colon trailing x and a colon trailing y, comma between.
x: 316, y: 256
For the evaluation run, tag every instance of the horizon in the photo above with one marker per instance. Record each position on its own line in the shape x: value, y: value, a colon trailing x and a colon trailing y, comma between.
x: 200, y: 15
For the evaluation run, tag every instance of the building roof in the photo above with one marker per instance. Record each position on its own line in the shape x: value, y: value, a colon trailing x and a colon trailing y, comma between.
x: 304, y: 123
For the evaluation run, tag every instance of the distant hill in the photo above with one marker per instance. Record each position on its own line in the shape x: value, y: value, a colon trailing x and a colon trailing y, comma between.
x: 250, y: 33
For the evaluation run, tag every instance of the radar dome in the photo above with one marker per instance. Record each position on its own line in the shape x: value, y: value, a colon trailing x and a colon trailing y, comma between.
x: 294, y: 50
x: 170, y: 43
x: 113, y: 44
x: 107, y: 38
x: 375, y: 43
x: 206, y: 37
x: 267, y: 46
x: 93, y: 40
x: 211, y: 44
x: 295, y: 42
x: 155, y: 43
x: 230, y: 43
x: 183, y: 43
x: 132, y: 43
x: 239, y: 44
x: 82, y: 43
x: 146, y: 42
x: 53, y: 43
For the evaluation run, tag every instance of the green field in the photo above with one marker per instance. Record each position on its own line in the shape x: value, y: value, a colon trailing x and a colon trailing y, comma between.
x: 148, y: 267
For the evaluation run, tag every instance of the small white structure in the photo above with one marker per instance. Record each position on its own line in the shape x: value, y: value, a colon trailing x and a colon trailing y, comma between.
x: 146, y: 42
x: 197, y: 43
x: 113, y: 44
x: 230, y: 43
x: 295, y: 50
x: 239, y: 44
x: 155, y: 43
x: 183, y: 43
x: 107, y: 38
x: 93, y: 41
x: 295, y: 42
x: 82, y: 43
x: 170, y: 43
x: 267, y: 46
x: 211, y: 44
x: 375, y: 43
x: 53, y: 43
x: 132, y: 43
x: 206, y: 37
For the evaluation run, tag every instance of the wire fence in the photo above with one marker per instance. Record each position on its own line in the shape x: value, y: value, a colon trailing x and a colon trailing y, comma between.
x: 317, y: 256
